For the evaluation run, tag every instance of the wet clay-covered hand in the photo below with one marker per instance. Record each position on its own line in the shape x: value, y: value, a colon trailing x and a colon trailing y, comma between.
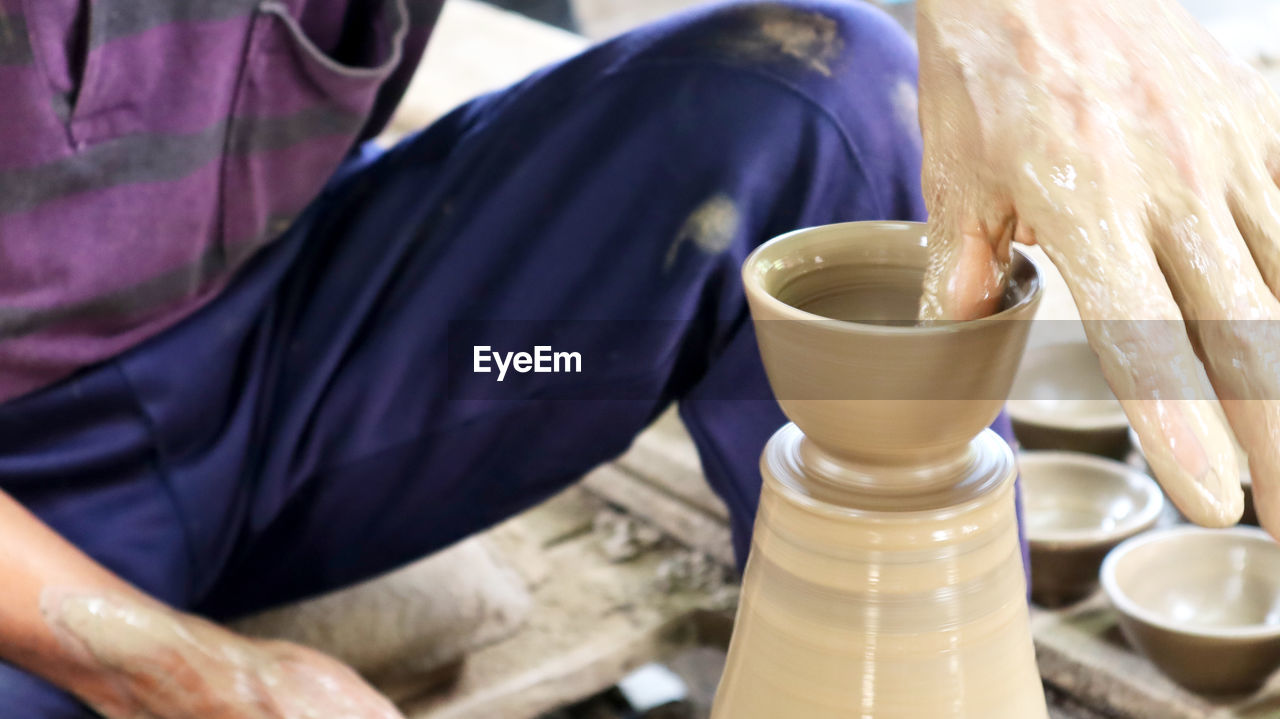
x: 1142, y: 158
x: 168, y: 665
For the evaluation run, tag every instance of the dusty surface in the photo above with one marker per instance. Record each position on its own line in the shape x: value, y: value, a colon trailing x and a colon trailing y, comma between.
x: 622, y: 538
x: 595, y: 616
x: 459, y: 600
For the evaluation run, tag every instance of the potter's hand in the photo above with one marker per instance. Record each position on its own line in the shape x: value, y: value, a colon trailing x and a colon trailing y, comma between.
x: 1141, y: 157
x: 165, y: 665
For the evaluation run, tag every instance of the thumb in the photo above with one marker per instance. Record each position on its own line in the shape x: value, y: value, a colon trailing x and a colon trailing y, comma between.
x: 967, y: 265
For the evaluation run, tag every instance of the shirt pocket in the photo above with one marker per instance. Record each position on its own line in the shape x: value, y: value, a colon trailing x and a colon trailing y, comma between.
x: 62, y: 35
x: 296, y: 112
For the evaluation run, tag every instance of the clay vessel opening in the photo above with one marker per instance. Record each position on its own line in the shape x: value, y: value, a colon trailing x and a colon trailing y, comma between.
x: 881, y: 289
x: 887, y: 295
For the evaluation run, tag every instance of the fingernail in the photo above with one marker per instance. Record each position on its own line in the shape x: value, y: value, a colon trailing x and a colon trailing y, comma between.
x: 1216, y: 498
x: 1225, y: 499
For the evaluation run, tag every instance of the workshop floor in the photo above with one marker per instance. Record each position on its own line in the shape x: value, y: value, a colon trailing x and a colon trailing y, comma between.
x: 699, y: 669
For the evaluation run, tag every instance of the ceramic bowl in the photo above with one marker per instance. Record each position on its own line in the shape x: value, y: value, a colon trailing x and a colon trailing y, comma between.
x: 1060, y: 400
x: 1078, y: 507
x: 834, y: 309
x: 1202, y: 604
x: 1250, y: 514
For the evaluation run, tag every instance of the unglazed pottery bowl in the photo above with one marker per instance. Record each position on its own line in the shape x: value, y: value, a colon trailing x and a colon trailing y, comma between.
x: 1202, y: 604
x: 835, y: 311
x: 885, y: 577
x: 1079, y: 507
x: 1060, y: 400
x: 1250, y: 514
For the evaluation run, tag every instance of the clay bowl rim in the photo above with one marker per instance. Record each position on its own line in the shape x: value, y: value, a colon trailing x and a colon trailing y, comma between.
x: 1069, y: 539
x: 1127, y: 606
x: 1116, y: 421
x: 753, y: 284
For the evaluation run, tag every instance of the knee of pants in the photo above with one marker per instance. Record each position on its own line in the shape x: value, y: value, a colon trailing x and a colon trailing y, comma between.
x: 849, y: 60
x: 849, y: 57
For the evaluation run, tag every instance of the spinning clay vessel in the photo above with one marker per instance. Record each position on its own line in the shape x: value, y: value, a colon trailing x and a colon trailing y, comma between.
x: 885, y: 578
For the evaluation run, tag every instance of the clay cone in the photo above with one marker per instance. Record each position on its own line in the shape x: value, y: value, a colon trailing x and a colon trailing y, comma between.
x: 885, y: 579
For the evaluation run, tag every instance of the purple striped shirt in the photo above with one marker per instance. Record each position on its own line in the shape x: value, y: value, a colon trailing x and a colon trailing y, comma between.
x: 149, y: 147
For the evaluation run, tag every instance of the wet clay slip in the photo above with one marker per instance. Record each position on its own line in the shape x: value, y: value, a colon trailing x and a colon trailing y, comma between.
x: 1202, y: 604
x: 885, y: 579
x: 1250, y: 514
x: 1078, y: 507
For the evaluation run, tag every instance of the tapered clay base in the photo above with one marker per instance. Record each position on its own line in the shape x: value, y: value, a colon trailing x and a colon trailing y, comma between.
x: 857, y: 604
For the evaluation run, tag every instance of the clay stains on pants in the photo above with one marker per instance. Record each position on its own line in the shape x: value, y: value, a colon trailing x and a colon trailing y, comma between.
x: 773, y: 33
x: 711, y: 227
x: 906, y: 107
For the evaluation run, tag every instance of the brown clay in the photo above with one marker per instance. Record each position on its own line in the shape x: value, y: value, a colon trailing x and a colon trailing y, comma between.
x: 1203, y: 605
x: 885, y: 579
x: 1078, y: 507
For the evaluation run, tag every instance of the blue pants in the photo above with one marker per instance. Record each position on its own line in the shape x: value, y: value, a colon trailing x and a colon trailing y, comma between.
x: 306, y: 429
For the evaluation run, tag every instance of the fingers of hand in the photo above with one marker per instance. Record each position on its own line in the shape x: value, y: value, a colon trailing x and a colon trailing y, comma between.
x: 1190, y: 452
x: 1025, y: 234
x: 318, y: 685
x: 1256, y: 423
x: 1262, y: 109
x: 1255, y: 206
x: 1152, y: 369
x: 968, y: 261
x: 1235, y: 318
x: 1134, y: 326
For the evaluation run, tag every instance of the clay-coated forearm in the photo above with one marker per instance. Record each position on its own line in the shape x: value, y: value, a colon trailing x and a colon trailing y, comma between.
x: 35, y: 564
x: 66, y: 618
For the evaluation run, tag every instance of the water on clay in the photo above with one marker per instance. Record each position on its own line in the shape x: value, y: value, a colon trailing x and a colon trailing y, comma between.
x: 886, y: 295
